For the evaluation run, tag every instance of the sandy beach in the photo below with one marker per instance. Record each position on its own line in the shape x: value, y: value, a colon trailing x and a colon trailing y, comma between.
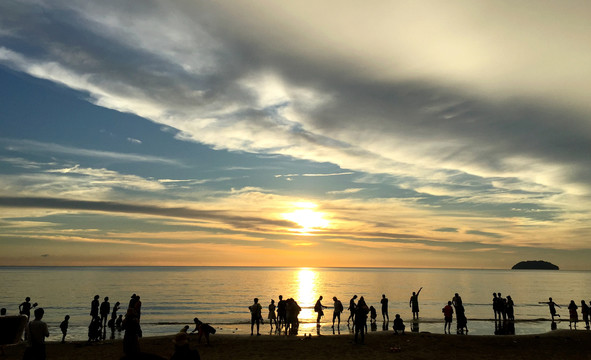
x: 560, y: 344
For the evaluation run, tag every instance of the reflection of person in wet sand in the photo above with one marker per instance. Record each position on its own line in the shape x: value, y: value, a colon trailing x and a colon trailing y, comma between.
x: 551, y: 306
x: 414, y: 303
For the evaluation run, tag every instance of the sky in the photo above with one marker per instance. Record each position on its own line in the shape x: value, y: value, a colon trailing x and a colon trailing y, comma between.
x: 450, y: 134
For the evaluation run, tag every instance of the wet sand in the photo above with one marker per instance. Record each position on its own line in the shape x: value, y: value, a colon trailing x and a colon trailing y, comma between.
x: 561, y: 344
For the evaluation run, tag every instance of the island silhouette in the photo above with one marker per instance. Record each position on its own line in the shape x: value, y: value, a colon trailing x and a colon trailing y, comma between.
x: 534, y: 265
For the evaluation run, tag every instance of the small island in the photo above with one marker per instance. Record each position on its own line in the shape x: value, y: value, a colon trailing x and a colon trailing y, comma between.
x: 534, y: 265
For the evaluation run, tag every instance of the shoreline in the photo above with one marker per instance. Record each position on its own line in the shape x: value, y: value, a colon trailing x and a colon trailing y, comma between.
x: 560, y: 344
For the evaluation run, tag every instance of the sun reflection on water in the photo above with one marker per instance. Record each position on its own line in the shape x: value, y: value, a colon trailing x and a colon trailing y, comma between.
x: 308, y: 283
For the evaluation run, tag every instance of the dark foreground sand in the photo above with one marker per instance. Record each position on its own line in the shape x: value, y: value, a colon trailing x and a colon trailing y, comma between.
x: 560, y: 344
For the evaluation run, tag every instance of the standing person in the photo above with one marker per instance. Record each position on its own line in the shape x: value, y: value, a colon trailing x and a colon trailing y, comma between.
x: 551, y: 306
x: 510, y: 310
x: 131, y: 341
x: 255, y: 316
x: 384, y: 303
x: 448, y: 312
x: 116, y: 308
x: 105, y: 310
x: 495, y: 305
x: 132, y: 301
x: 414, y: 304
x: 351, y: 308
x: 64, y: 327
x: 272, y: 317
x: 37, y: 332
x: 338, y: 309
x: 137, y: 307
x: 360, y: 319
x: 457, y: 300
x: 573, y: 315
x: 94, y: 307
x: 585, y: 312
x: 281, y: 311
x: 319, y: 309
x: 502, y: 306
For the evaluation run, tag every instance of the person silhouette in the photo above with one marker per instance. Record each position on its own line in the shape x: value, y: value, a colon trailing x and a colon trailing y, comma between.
x: 105, y: 310
x: 272, y: 317
x: 448, y: 312
x: 414, y: 304
x: 510, y: 308
x: 551, y: 307
x: 281, y: 312
x: 255, y: 316
x: 398, y: 324
x: 360, y: 319
x: 203, y: 329
x: 119, y: 323
x: 64, y: 327
x: 182, y: 349
x: 25, y: 307
x: 131, y: 342
x: 373, y: 314
x: 573, y: 315
x: 116, y: 308
x: 319, y: 309
x: 352, y: 309
x: 37, y: 332
x: 384, y: 302
x: 585, y: 312
x: 94, y: 307
x: 338, y: 309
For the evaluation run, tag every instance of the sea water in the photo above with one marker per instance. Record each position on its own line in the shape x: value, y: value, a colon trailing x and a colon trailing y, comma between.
x: 172, y: 296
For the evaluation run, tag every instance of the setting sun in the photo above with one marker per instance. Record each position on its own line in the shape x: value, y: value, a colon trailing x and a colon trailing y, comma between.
x: 306, y: 218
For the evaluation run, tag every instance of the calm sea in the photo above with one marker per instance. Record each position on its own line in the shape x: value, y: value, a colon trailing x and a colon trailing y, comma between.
x: 173, y: 296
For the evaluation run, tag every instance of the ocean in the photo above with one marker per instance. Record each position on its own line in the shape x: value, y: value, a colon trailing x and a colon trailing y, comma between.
x: 172, y: 296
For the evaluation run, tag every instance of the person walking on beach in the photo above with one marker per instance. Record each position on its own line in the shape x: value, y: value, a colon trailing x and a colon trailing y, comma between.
x: 585, y: 312
x: 573, y: 315
x: 414, y: 304
x: 37, y: 331
x: 351, y: 308
x: 384, y: 303
x: 272, y: 317
x: 551, y: 306
x: 94, y: 307
x: 64, y: 327
x: 105, y: 310
x: 319, y: 309
x: 448, y: 312
x: 281, y: 312
x: 338, y: 309
x: 25, y: 307
x: 255, y: 316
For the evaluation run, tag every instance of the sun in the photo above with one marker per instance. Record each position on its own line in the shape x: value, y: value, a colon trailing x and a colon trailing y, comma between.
x: 308, y: 219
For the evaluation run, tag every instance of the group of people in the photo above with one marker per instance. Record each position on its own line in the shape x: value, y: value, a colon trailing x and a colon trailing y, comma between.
x: 285, y: 319
x: 100, y: 318
x: 461, y: 320
x: 572, y: 312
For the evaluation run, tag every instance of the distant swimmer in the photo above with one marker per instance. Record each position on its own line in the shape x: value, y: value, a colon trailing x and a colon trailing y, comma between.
x: 551, y: 306
x: 414, y: 304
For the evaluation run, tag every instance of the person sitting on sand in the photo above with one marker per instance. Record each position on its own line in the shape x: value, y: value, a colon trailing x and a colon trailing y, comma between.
x: 203, y: 329
x: 338, y: 309
x: 64, y: 327
x: 448, y: 312
x: 551, y: 306
x: 398, y: 325
x: 255, y: 316
x: 573, y: 315
x: 182, y: 349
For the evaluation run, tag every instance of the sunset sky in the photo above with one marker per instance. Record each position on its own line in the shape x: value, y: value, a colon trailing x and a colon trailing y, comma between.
x: 310, y: 133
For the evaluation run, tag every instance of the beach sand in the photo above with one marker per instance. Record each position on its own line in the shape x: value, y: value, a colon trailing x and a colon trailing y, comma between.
x: 561, y: 344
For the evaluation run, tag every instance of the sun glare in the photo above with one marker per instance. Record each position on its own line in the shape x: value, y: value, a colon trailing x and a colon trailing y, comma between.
x: 306, y: 218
